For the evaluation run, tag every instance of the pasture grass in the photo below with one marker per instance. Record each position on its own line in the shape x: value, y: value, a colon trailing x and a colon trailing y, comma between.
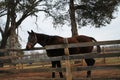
x: 111, y: 60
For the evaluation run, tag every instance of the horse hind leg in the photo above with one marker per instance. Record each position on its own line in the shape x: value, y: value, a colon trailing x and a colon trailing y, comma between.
x: 90, y: 62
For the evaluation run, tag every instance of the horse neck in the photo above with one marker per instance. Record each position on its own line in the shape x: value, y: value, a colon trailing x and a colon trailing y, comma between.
x: 42, y: 39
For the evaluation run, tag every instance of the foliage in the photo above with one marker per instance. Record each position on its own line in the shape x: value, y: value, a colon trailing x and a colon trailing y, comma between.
x: 58, y: 10
x: 96, y: 12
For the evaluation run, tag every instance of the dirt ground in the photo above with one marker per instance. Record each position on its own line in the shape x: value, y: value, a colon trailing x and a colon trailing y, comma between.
x: 82, y: 74
x: 41, y: 75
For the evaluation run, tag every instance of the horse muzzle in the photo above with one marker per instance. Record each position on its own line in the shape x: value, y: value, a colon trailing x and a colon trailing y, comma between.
x: 28, y: 47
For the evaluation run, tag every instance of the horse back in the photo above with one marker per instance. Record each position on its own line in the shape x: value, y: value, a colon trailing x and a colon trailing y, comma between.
x: 59, y: 52
x: 81, y: 39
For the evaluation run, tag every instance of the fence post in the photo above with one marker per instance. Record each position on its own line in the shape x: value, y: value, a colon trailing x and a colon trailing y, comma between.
x: 67, y: 61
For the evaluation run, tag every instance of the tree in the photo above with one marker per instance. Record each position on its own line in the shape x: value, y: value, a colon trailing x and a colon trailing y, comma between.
x: 80, y: 13
x: 10, y: 10
x: 72, y: 18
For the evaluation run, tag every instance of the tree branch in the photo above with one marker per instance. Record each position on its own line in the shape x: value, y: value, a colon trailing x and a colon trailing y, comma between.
x: 21, y: 19
x: 1, y: 31
x: 26, y: 14
x: 2, y: 12
x: 80, y: 7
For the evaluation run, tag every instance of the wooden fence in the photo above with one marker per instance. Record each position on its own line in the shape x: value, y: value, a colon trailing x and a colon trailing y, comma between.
x: 66, y: 58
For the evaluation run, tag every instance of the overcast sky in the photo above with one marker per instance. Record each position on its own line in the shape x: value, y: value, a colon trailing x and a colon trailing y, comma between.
x: 109, y: 32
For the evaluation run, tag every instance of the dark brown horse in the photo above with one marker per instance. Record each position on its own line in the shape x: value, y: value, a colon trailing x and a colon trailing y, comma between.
x: 44, y: 40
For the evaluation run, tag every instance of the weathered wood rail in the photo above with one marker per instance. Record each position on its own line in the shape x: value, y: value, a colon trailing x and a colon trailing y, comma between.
x: 84, y: 44
x: 70, y: 57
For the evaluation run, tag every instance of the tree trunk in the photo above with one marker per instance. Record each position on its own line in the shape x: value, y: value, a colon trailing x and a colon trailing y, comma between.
x: 13, y: 26
x: 72, y: 18
x: 11, y: 18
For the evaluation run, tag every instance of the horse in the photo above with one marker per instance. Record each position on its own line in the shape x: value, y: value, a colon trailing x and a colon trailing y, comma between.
x: 44, y: 40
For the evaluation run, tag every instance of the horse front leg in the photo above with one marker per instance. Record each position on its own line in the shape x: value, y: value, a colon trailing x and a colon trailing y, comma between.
x: 53, y: 66
x: 90, y: 62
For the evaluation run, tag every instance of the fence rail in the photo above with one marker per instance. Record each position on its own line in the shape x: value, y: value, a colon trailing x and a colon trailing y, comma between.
x: 84, y: 44
x: 71, y: 57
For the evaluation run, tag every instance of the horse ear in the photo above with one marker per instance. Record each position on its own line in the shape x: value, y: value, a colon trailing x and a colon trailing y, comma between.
x: 32, y: 31
x: 28, y: 32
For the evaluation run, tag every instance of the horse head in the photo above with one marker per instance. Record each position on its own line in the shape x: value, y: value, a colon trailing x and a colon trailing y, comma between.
x: 32, y: 40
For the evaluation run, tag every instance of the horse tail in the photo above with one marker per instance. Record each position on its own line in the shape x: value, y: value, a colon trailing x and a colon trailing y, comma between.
x: 98, y: 46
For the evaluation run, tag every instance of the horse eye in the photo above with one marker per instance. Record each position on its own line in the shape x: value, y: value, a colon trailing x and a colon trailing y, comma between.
x: 32, y: 39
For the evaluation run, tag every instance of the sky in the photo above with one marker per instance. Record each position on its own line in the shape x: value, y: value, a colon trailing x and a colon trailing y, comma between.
x: 44, y: 25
